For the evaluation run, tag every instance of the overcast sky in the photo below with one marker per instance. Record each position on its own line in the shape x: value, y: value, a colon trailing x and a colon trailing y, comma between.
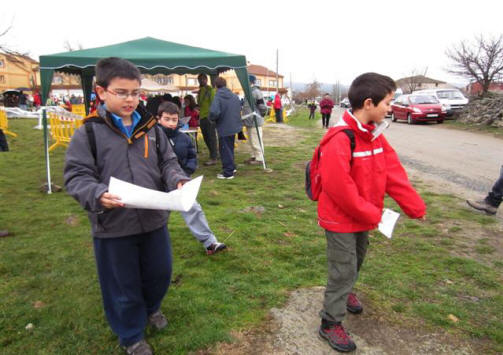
x: 323, y: 40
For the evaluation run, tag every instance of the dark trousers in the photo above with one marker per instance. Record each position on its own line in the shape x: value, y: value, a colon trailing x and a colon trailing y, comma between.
x: 345, y: 255
x: 4, y: 147
x: 134, y: 274
x: 311, y: 114
x: 495, y: 197
x: 210, y: 136
x: 279, y: 115
x: 226, y: 145
x: 325, y: 118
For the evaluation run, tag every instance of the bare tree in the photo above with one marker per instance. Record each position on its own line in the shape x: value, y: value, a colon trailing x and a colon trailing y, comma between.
x: 313, y: 90
x: 480, y: 61
x: 10, y: 53
x: 70, y: 48
x: 415, y: 79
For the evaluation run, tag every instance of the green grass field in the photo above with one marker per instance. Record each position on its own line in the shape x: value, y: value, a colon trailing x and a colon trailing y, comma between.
x: 47, y: 271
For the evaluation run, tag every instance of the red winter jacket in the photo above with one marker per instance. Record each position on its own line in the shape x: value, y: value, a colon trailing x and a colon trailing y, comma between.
x: 352, y: 194
x: 277, y: 102
x: 326, y: 106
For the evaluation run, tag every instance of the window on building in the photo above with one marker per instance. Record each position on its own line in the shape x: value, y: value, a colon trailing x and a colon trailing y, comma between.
x: 272, y: 83
x: 2, y: 79
x: 57, y: 80
x: 170, y: 80
x: 192, y: 82
x: 2, y: 63
x: 258, y: 82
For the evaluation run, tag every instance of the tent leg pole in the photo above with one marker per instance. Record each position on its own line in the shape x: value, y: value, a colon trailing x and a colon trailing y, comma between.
x: 46, y: 150
x: 260, y: 142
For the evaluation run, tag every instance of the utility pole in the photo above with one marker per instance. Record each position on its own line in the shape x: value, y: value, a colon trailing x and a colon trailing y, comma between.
x: 277, y: 70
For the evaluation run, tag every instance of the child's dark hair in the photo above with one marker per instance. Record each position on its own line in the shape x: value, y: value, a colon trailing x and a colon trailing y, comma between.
x: 369, y: 86
x: 113, y: 67
x: 168, y: 107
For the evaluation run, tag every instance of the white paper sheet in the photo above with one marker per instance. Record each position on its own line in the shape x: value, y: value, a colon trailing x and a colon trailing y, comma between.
x: 388, y: 221
x: 134, y: 196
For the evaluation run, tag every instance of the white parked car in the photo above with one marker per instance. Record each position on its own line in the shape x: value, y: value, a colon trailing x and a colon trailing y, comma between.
x: 452, y: 99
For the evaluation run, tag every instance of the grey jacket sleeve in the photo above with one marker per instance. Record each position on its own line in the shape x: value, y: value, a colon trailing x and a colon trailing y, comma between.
x: 215, y: 111
x: 171, y: 172
x: 81, y: 173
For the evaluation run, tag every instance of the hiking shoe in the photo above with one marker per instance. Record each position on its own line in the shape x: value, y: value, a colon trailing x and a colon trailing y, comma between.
x: 353, y: 305
x: 210, y: 162
x: 337, y: 337
x: 256, y: 162
x: 139, y: 348
x: 4, y: 233
x: 482, y: 206
x: 223, y: 177
x: 249, y: 161
x: 215, y: 248
x: 157, y: 320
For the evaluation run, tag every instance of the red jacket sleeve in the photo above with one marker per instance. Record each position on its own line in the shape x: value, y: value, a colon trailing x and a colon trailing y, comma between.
x: 398, y: 185
x: 337, y: 183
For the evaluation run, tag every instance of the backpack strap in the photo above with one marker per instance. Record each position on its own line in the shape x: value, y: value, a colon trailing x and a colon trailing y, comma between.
x: 158, y: 145
x: 91, y: 137
x: 351, y: 136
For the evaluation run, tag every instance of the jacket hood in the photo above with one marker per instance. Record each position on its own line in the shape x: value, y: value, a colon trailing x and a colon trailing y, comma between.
x: 224, y: 93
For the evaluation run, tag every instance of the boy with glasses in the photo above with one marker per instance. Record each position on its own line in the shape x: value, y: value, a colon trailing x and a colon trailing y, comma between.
x: 132, y: 246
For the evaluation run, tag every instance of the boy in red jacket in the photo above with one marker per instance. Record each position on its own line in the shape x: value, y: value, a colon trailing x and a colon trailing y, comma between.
x: 351, y: 201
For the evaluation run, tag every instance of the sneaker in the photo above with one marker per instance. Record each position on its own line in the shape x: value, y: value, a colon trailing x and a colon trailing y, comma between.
x: 223, y: 177
x: 215, y: 248
x: 353, y: 305
x: 210, y: 162
x: 337, y: 337
x: 157, y: 320
x: 482, y: 206
x: 139, y: 348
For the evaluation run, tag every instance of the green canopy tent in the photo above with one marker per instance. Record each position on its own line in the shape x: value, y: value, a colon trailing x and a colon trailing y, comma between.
x: 150, y: 55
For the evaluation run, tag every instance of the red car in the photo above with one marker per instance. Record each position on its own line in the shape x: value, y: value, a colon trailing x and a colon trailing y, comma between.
x: 417, y: 108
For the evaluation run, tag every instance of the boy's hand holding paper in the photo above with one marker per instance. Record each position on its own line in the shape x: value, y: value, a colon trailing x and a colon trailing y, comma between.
x: 388, y: 222
x: 134, y: 196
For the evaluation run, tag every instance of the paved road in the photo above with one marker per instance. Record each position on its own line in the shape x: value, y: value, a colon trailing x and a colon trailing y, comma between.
x: 462, y: 162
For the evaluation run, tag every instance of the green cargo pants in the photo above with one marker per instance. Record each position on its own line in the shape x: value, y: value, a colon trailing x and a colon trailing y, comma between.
x: 345, y: 254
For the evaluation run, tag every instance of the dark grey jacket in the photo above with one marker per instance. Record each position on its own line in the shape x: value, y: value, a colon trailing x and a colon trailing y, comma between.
x: 133, y: 160
x: 225, y: 111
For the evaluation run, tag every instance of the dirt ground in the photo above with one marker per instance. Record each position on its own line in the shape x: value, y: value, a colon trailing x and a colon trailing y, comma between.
x: 293, y: 328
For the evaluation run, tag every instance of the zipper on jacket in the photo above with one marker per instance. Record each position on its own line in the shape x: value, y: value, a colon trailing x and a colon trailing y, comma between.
x: 132, y: 178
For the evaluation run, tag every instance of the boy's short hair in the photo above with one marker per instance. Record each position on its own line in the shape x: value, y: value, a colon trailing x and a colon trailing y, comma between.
x: 370, y: 86
x: 113, y: 67
x: 168, y: 107
x: 220, y: 82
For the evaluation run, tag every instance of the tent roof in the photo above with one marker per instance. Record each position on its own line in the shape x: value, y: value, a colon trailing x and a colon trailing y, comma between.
x: 149, y: 55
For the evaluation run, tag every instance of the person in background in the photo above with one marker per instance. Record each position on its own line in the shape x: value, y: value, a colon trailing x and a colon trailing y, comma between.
x: 312, y: 109
x: 278, y: 108
x: 204, y: 99
x: 225, y: 112
x: 191, y: 110
x: 168, y: 118
x: 23, y: 101
x: 326, y: 106
x: 493, y: 199
x: 253, y: 137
